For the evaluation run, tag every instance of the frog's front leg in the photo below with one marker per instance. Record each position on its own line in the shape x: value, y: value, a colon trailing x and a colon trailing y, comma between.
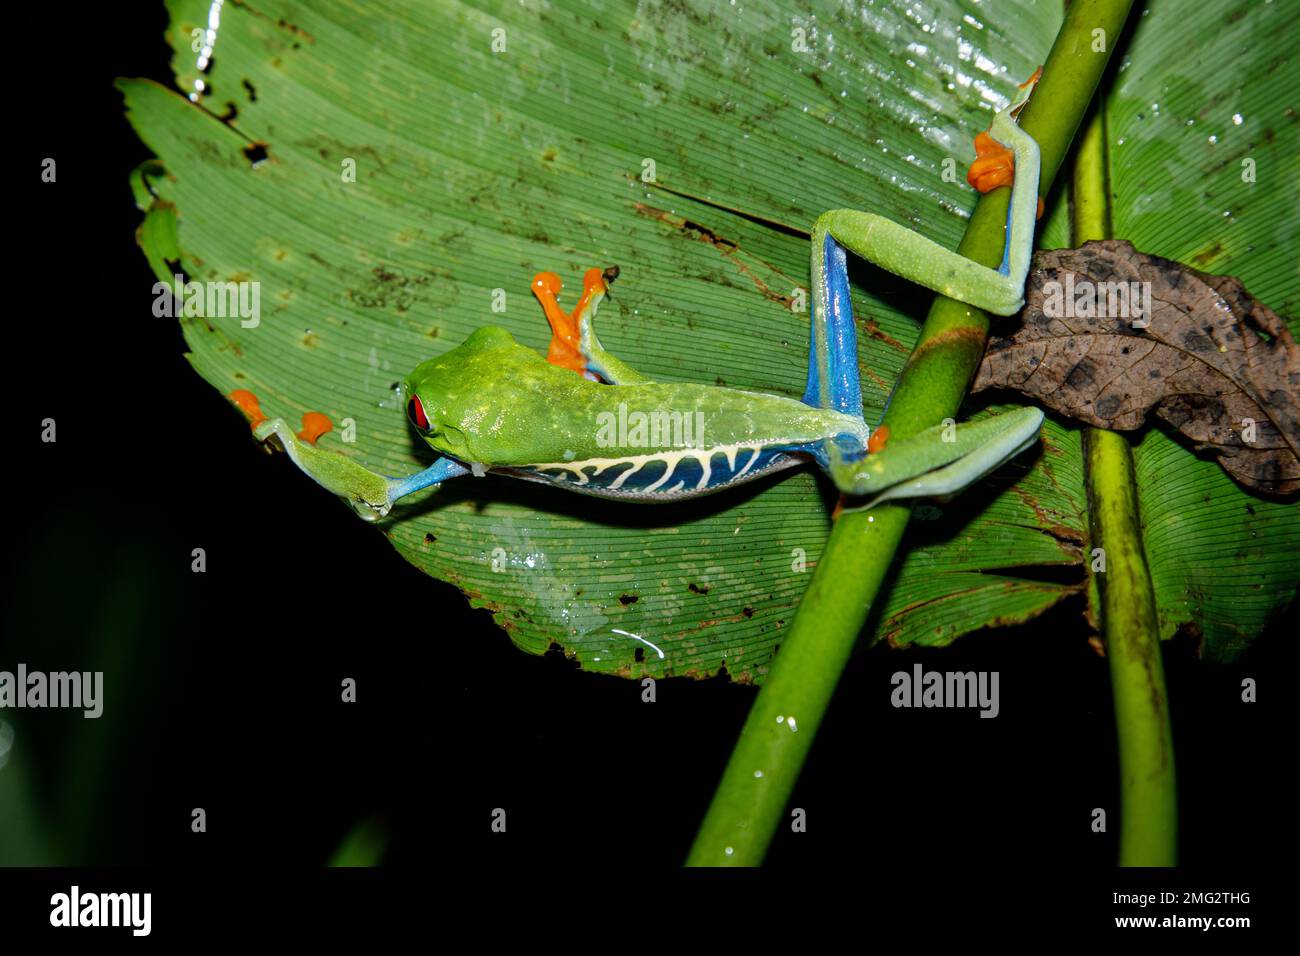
x: 371, y: 494
x: 574, y: 344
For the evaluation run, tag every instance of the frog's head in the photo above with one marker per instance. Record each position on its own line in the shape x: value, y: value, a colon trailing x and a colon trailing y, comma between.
x: 466, y: 403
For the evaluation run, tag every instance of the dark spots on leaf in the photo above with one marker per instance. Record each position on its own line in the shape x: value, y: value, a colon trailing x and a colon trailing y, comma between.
x: 250, y: 89
x: 720, y: 381
x: 1208, y: 255
x: 697, y: 588
x: 1250, y: 511
x: 639, y: 655
x: 728, y: 247
x: 1270, y: 473
x: 1107, y: 406
x: 626, y: 599
x: 748, y: 611
x: 430, y: 538
x: 231, y: 112
x: 257, y: 153
x: 1039, y: 319
x: 391, y: 288
x: 1081, y: 376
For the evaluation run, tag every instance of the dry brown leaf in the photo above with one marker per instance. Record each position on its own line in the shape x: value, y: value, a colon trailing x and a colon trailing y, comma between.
x: 1211, y: 360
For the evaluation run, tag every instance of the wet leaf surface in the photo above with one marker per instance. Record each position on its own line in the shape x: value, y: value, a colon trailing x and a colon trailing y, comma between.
x: 476, y: 168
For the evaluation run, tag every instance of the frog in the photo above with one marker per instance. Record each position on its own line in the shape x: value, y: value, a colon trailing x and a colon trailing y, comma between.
x: 584, y: 420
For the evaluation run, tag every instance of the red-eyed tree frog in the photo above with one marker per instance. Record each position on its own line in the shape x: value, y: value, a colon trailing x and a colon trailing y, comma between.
x: 493, y: 405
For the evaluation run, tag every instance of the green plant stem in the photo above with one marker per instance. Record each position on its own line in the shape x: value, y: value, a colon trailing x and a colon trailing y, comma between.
x: 760, y: 776
x: 1148, y: 796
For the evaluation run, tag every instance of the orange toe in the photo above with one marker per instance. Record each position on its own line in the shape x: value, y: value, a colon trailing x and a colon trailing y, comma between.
x: 314, y: 424
x: 547, y: 283
x: 247, y: 403
x: 994, y: 164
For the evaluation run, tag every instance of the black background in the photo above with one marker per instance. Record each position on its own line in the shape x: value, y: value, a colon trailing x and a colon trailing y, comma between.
x: 223, y: 687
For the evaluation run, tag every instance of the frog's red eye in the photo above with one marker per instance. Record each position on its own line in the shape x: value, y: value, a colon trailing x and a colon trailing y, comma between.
x: 415, y: 412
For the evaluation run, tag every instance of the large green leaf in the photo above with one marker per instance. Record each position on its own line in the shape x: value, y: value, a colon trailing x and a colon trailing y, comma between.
x: 476, y: 168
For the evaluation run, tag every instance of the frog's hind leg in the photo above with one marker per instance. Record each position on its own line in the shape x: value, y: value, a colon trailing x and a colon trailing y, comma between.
x: 833, y: 338
x: 833, y: 381
x: 918, y: 259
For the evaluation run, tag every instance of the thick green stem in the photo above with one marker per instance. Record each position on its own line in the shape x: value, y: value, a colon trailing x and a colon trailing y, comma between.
x: 1148, y: 797
x: 756, y: 785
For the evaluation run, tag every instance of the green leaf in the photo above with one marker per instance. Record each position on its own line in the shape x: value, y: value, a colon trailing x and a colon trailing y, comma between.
x: 475, y: 169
